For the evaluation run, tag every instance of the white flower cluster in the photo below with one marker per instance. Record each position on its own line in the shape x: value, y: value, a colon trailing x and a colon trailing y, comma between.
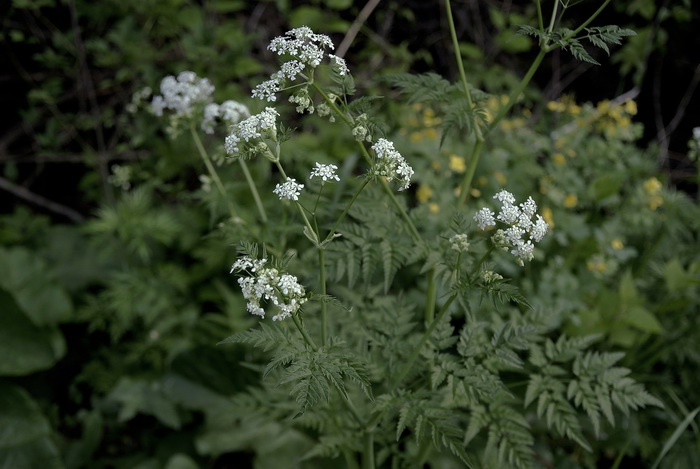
x: 269, y: 284
x: 520, y: 219
x: 289, y: 190
x: 459, y: 242
x: 229, y: 111
x: 325, y: 172
x: 262, y: 125
x: 182, y: 93
x: 391, y: 164
x: 307, y: 50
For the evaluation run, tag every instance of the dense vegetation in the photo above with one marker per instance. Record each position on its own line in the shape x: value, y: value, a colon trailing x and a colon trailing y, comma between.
x: 120, y: 227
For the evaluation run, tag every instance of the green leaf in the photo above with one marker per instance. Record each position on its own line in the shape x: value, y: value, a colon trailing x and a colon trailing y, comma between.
x: 25, y: 347
x: 643, y: 319
x: 676, y: 435
x: 605, y: 186
x: 25, y: 276
x: 25, y: 434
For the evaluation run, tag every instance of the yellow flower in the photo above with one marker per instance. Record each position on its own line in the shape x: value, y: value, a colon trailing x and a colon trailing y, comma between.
x: 559, y: 158
x: 617, y: 244
x: 573, y: 109
x: 430, y: 134
x: 457, y: 164
x: 570, y: 201
x: 474, y: 192
x: 423, y: 193
x: 500, y: 177
x: 556, y: 106
x: 548, y: 217
x: 415, y: 137
x: 655, y: 201
x: 596, y: 265
x: 652, y: 186
x: 481, y: 181
x: 433, y: 207
x: 631, y: 108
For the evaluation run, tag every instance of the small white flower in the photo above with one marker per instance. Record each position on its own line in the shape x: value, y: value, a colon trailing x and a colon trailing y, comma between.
x: 182, y: 93
x: 262, y: 283
x: 521, y: 223
x: 289, y: 190
x: 262, y: 125
x: 484, y: 218
x: 339, y: 64
x: 391, y: 164
x: 325, y: 172
x: 459, y: 242
x: 267, y: 90
x: 211, y: 112
x: 232, y: 112
x: 505, y: 197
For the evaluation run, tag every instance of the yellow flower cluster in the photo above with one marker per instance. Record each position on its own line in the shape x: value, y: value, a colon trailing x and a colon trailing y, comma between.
x: 566, y: 105
x: 652, y: 187
x: 424, y: 124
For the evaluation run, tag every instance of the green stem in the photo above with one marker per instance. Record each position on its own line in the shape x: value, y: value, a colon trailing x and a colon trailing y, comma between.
x: 430, y: 297
x: 368, y: 456
x: 518, y: 89
x: 307, y: 338
x: 411, y: 227
x: 212, y: 171
x: 311, y: 232
x: 588, y: 21
x: 540, y: 20
x: 426, y: 335
x: 350, y: 460
x: 460, y: 66
x: 253, y: 190
x: 347, y: 209
x: 332, y: 105
x: 466, y: 184
x: 322, y: 281
x: 554, y: 16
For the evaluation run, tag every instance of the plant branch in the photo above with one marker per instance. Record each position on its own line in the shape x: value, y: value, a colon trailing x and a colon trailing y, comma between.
x: 36, y: 199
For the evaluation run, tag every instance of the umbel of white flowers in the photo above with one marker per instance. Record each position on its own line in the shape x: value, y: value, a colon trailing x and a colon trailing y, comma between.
x: 307, y: 51
x: 188, y: 94
x: 520, y: 222
x: 261, y: 282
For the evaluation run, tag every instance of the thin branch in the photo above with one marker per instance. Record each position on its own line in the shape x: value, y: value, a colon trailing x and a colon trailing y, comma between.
x: 356, y: 26
x: 36, y: 199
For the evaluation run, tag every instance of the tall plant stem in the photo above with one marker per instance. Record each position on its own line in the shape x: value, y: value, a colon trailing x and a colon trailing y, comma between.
x: 368, y: 456
x: 465, y: 186
x: 253, y: 190
x: 347, y: 209
x: 311, y: 232
x: 302, y: 330
x: 212, y: 171
x: 322, y: 281
x: 460, y: 65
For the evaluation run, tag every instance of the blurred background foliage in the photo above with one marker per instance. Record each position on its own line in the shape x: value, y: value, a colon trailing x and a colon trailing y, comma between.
x: 113, y: 254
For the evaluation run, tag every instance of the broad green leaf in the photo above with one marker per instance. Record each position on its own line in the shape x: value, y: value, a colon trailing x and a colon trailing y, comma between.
x: 605, y: 186
x: 25, y: 347
x: 25, y: 276
x: 25, y: 434
x: 643, y: 319
x: 675, y: 276
x: 144, y: 397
